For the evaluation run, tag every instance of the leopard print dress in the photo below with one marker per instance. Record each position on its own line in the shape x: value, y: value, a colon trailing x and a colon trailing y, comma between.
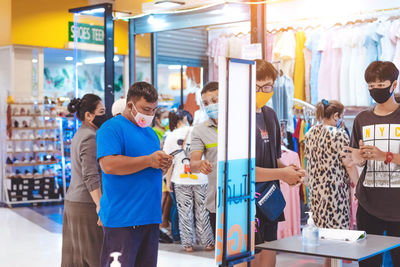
x: 327, y: 177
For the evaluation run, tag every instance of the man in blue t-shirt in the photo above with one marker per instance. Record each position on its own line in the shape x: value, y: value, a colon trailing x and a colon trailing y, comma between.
x: 132, y: 163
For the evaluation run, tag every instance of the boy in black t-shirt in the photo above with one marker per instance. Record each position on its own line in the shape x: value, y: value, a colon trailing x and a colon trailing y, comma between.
x: 268, y: 151
x: 375, y: 145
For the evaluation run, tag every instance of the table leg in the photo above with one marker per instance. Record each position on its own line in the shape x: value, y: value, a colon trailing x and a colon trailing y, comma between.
x: 336, y: 263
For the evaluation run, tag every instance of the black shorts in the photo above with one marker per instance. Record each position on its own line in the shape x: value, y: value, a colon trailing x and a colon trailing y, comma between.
x: 267, y: 231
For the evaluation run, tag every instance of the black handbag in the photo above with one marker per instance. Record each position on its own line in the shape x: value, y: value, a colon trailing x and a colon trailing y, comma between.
x: 269, y: 200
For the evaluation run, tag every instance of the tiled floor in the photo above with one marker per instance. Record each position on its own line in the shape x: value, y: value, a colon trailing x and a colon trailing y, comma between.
x: 31, y: 236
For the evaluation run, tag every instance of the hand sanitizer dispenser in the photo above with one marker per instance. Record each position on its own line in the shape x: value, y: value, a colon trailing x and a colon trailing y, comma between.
x: 310, y: 233
x: 115, y: 262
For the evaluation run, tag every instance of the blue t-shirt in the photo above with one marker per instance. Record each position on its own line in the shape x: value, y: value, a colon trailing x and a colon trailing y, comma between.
x: 135, y: 199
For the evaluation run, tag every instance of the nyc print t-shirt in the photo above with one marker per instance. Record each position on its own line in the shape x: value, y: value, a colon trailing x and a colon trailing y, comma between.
x: 378, y: 189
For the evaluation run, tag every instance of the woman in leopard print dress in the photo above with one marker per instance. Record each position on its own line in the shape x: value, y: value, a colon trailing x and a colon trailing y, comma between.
x: 328, y: 181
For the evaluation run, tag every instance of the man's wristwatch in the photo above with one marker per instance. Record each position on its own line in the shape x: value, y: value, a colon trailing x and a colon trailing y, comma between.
x: 389, y: 157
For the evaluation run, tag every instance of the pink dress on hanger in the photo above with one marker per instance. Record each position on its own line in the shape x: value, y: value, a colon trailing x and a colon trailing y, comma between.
x: 291, y: 225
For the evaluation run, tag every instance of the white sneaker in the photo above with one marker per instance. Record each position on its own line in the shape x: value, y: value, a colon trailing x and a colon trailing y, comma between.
x: 35, y: 148
x: 28, y: 148
x: 31, y: 136
x: 18, y: 148
x: 33, y: 124
x: 46, y: 135
x: 16, y: 137
x: 46, y: 113
x: 23, y: 136
x: 53, y: 112
x: 10, y: 148
x: 39, y: 124
x: 42, y: 148
x: 50, y: 147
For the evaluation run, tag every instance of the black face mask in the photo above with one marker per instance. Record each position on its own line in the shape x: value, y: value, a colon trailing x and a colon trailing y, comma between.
x: 381, y: 95
x: 99, y: 120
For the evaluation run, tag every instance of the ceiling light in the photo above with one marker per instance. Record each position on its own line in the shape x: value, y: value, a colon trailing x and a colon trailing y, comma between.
x: 69, y: 58
x: 34, y: 60
x: 94, y: 60
x: 168, y: 3
x: 79, y: 64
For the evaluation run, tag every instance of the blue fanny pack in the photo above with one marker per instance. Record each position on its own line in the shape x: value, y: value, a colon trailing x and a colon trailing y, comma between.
x: 269, y: 200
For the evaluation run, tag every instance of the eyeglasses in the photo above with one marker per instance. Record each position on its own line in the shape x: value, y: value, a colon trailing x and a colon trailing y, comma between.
x: 266, y: 88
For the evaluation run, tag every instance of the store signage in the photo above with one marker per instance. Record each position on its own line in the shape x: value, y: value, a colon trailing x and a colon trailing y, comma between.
x: 236, y: 162
x: 86, y: 33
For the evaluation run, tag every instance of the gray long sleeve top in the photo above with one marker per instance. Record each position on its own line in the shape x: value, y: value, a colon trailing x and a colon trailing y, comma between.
x: 85, y: 170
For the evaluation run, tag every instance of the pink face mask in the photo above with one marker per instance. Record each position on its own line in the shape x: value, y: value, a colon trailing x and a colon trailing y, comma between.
x: 142, y: 120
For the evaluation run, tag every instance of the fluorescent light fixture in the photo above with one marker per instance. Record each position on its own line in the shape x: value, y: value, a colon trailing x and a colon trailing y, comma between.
x: 79, y: 64
x: 94, y: 60
x: 69, y: 58
x: 155, y: 21
x: 34, y: 60
x: 174, y: 67
x: 93, y: 11
x: 168, y: 3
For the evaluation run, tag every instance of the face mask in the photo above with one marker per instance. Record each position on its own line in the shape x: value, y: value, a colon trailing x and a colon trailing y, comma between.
x: 263, y: 98
x: 165, y: 122
x: 381, y: 95
x: 339, y: 122
x: 212, y: 111
x: 99, y: 120
x: 142, y: 120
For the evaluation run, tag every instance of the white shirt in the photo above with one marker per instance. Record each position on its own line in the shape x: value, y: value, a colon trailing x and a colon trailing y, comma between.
x: 181, y: 164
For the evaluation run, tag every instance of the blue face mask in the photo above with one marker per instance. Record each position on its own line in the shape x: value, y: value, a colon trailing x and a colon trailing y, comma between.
x: 212, y: 111
x: 165, y: 122
x: 339, y: 122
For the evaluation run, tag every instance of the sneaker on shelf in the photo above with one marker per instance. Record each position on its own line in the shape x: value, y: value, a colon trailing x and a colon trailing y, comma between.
x: 10, y: 148
x: 27, y: 174
x: 53, y: 112
x: 42, y: 148
x: 15, y: 112
x: 47, y: 124
x: 18, y: 174
x: 15, y: 160
x: 16, y: 124
x: 50, y: 148
x: 46, y: 113
x: 39, y: 123
x: 22, y: 111
x: 38, y: 160
x: 31, y: 136
x: 53, y: 158
x: 23, y: 136
x: 25, y: 124
x: 9, y: 161
x: 32, y: 160
x: 18, y: 148
x: 25, y: 160
x: 35, y: 148
x: 46, y: 173
x: 36, y: 174
x: 17, y: 136
x: 28, y: 112
x: 27, y: 148
x: 54, y: 123
x: 45, y: 135
x: 37, y: 136
x: 32, y: 123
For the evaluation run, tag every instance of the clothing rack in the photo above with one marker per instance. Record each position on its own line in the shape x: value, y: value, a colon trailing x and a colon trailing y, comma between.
x: 303, y: 104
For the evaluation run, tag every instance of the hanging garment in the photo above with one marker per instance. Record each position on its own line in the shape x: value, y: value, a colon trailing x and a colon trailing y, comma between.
x: 216, y: 47
x: 282, y: 100
x: 302, y: 134
x: 299, y: 69
x: 291, y: 225
x: 307, y: 71
x: 373, y: 43
x: 395, y: 37
x: 284, y: 51
x: 269, y: 46
x: 329, y: 72
x: 345, y: 44
x: 388, y: 46
x: 312, y: 45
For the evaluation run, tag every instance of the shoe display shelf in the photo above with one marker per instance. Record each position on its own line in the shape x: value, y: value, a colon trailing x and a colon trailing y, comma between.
x: 35, y: 163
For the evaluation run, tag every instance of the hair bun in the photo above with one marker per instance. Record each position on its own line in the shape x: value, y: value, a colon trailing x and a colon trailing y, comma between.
x: 74, y: 105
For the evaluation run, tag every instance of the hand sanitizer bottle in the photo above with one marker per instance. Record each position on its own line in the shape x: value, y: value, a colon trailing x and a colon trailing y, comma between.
x: 115, y: 262
x: 310, y: 233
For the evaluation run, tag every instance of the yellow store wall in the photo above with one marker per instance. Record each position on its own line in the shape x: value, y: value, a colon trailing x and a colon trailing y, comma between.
x: 45, y: 23
x: 5, y: 22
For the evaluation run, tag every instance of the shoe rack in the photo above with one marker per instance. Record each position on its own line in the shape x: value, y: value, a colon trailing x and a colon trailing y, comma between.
x: 35, y: 155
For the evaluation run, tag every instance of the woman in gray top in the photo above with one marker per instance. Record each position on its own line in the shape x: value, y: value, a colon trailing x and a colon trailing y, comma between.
x: 82, y: 234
